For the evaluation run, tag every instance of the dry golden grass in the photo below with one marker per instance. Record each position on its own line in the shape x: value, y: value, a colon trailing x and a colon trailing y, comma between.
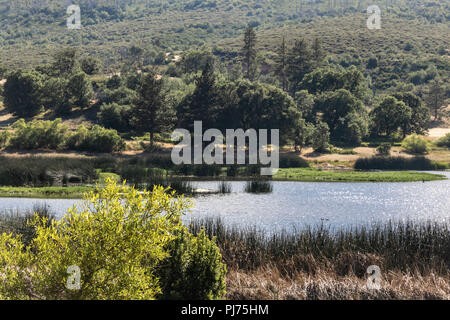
x: 269, y: 284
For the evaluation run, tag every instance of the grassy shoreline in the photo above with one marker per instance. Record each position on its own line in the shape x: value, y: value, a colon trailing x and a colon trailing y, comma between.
x: 45, y: 192
x: 292, y: 174
x: 315, y: 175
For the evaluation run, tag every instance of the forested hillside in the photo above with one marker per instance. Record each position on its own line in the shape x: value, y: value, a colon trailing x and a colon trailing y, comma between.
x: 313, y: 69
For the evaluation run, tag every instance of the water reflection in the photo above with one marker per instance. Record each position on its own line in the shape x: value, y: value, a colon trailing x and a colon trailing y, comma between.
x: 307, y: 203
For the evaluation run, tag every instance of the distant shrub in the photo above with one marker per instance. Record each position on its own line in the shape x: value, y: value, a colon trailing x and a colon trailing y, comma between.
x: 38, y: 134
x: 22, y: 93
x: 232, y: 171
x: 96, y: 139
x: 384, y: 149
x: 293, y: 161
x: 4, y: 138
x: 114, y: 116
x: 415, y: 144
x: 395, y: 163
x: 199, y: 170
x: 442, y: 142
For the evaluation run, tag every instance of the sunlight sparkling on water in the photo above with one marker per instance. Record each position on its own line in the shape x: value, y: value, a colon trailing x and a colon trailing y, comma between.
x: 295, y: 204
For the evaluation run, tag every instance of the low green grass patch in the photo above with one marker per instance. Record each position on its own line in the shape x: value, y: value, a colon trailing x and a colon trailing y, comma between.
x: 45, y: 192
x: 314, y: 175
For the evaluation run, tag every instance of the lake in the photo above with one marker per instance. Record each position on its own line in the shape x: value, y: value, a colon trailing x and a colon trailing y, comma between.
x: 296, y: 204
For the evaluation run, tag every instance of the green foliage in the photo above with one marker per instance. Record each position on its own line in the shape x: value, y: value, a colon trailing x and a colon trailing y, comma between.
x: 435, y: 97
x: 394, y: 163
x: 195, y: 60
x: 249, y: 52
x: 56, y: 96
x: 65, y: 61
x: 44, y: 171
x: 293, y: 161
x: 420, y: 114
x: 345, y: 115
x: 38, y: 134
x: 4, y: 138
x: 416, y: 144
x: 246, y: 104
x: 193, y: 270
x: 96, y: 139
x: 389, y: 115
x: 90, y: 65
x: 321, y: 137
x: 326, y: 79
x: 114, y: 116
x: 151, y: 111
x: 80, y: 89
x: 126, y: 244
x: 117, y: 239
x: 22, y: 93
x: 444, y: 141
x: 304, y: 133
x: 384, y: 149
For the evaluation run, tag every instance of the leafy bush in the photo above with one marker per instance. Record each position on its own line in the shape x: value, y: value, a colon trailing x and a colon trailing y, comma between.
x: 415, y: 144
x: 114, y: 116
x: 384, y: 149
x: 96, y: 139
x: 4, y: 138
x: 194, y: 269
x: 22, y: 93
x: 38, y: 134
x: 116, y: 231
x: 293, y: 161
x: 321, y: 137
x: 442, y: 142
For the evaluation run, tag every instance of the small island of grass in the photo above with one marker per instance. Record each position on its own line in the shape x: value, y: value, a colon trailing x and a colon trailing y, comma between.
x: 316, y: 175
x: 45, y: 192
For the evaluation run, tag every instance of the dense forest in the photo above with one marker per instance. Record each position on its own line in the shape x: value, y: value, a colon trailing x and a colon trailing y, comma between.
x: 310, y: 68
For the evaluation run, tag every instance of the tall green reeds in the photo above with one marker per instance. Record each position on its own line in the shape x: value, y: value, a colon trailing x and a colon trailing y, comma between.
x: 402, y: 246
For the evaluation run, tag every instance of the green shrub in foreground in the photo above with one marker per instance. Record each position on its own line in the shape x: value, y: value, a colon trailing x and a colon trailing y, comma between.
x: 119, y: 238
x: 194, y: 269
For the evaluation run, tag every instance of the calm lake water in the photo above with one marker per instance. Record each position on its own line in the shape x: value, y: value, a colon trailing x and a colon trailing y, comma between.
x: 296, y: 204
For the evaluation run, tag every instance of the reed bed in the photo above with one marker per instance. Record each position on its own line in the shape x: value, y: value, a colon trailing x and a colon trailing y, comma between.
x: 258, y: 186
x: 402, y: 246
x: 17, y: 222
x: 224, y: 187
x: 398, y: 163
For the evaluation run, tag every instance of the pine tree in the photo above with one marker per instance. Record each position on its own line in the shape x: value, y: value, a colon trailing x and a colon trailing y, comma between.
x: 300, y: 62
x: 435, y: 97
x: 201, y: 105
x: 318, y: 53
x: 151, y: 111
x: 281, y: 64
x: 249, y: 53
